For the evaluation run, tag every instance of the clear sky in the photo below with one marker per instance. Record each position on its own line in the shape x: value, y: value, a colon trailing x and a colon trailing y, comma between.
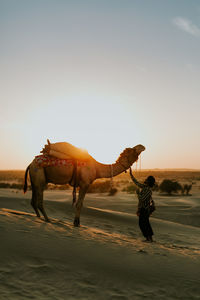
x: 103, y: 75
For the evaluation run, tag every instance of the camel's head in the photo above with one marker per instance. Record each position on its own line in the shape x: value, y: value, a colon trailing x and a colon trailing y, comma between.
x: 130, y: 155
x: 138, y: 149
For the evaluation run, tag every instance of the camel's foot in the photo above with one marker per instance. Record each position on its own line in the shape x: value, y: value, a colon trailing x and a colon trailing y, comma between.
x: 45, y: 219
x: 37, y: 214
x: 76, y: 222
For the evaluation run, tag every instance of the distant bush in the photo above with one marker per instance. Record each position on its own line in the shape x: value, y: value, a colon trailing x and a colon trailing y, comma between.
x: 6, y: 185
x: 112, y: 191
x: 19, y: 186
x: 100, y: 187
x: 187, y: 188
x: 156, y: 187
x: 62, y: 187
x: 131, y: 189
x: 169, y: 186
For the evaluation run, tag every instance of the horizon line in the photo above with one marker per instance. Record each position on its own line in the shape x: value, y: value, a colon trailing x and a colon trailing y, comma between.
x: 138, y: 170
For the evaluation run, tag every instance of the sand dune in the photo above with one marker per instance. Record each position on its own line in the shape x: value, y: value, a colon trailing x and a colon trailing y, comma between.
x: 103, y: 259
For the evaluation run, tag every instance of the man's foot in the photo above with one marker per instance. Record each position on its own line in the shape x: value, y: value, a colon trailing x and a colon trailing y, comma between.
x: 76, y: 222
x: 150, y: 239
x: 146, y: 241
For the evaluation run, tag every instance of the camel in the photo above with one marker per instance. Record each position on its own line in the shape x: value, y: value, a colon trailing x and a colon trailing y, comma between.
x: 86, y: 174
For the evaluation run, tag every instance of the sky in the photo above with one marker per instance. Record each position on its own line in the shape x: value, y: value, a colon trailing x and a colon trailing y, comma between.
x: 103, y: 75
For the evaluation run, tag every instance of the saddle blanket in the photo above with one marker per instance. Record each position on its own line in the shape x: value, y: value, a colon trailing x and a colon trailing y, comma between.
x: 47, y: 161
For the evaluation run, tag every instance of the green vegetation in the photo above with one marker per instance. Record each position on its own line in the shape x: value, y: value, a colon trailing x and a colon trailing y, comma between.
x: 187, y: 188
x: 14, y: 179
x: 131, y: 189
x: 100, y: 187
x: 112, y: 191
x: 5, y: 185
x: 62, y: 187
x: 170, y: 186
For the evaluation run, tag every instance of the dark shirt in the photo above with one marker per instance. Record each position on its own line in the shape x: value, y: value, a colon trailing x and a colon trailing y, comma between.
x: 144, y: 196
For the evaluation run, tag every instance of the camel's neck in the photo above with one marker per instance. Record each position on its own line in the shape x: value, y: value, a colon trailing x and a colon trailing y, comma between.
x: 107, y: 171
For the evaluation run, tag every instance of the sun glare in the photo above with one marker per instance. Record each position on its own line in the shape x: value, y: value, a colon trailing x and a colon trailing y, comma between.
x: 100, y: 126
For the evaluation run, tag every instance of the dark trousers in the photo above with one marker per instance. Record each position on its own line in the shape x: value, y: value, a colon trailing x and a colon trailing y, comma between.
x: 144, y: 224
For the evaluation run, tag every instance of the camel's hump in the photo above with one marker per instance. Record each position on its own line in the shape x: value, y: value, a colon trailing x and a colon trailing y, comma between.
x: 69, y: 150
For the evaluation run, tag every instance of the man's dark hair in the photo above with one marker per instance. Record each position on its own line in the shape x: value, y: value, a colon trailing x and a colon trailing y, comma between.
x: 150, y: 181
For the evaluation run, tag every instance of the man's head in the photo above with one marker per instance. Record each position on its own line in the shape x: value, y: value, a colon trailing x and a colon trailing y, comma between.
x: 150, y: 181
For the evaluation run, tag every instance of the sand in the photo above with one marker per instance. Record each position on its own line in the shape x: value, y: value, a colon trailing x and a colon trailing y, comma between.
x: 106, y: 257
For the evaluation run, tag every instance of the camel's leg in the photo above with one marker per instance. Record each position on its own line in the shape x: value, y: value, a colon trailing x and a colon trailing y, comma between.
x: 79, y: 205
x: 38, y: 183
x: 41, y: 206
x: 34, y: 202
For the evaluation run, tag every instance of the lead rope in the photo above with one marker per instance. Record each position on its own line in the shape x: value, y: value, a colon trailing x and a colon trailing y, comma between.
x: 140, y: 162
x: 136, y: 165
x: 111, y: 180
x: 74, y: 178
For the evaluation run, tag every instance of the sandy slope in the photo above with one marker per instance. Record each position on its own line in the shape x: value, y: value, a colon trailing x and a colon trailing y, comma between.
x: 103, y: 259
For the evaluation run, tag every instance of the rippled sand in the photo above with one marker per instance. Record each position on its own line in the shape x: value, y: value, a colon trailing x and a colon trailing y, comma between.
x: 106, y: 257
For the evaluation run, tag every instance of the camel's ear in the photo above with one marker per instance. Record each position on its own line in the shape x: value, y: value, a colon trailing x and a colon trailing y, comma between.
x: 48, y: 142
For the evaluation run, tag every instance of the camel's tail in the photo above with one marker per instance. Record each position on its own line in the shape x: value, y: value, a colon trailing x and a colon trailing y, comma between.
x: 25, y: 179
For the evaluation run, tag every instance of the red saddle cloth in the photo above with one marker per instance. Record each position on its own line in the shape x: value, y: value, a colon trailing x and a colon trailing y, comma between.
x: 47, y: 161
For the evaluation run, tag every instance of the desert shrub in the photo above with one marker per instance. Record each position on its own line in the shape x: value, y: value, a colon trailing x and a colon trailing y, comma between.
x: 156, y: 187
x: 131, y: 189
x: 169, y: 186
x: 18, y: 186
x: 6, y: 185
x: 112, y: 191
x: 100, y: 187
x: 62, y: 187
x: 123, y: 182
x: 187, y: 188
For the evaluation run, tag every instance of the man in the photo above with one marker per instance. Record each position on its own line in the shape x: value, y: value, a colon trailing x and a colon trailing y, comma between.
x: 145, y: 205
